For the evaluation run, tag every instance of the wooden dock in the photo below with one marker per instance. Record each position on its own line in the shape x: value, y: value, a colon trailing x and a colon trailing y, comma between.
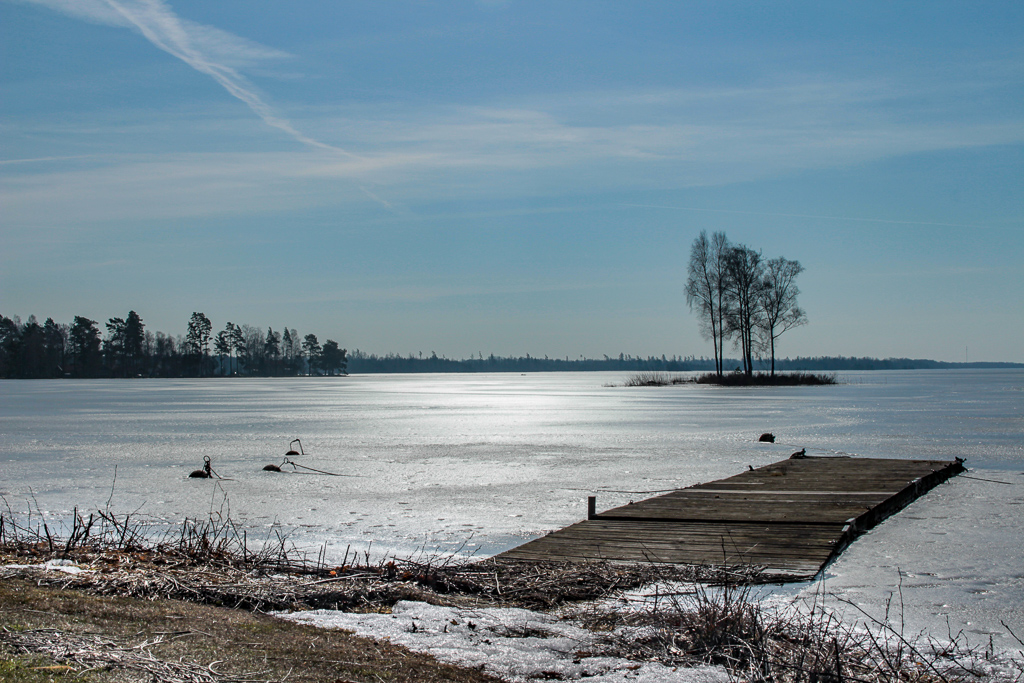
x: 790, y: 517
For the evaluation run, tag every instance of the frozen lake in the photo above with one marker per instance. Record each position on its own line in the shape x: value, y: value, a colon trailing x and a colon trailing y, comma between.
x: 488, y: 461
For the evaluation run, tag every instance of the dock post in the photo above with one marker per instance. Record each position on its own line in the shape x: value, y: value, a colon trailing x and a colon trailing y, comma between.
x: 591, y: 507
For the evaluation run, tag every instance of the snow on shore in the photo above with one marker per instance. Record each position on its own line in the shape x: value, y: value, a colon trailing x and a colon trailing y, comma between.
x: 514, y: 644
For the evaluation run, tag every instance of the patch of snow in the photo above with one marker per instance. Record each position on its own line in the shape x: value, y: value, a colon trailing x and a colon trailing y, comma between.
x: 66, y: 566
x: 514, y: 644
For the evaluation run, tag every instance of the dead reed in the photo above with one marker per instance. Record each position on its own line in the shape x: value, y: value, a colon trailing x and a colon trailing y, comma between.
x: 90, y: 652
x: 732, y: 379
x: 696, y: 624
x: 214, y: 541
x: 764, y: 379
x: 216, y: 562
x: 654, y: 379
x: 710, y: 616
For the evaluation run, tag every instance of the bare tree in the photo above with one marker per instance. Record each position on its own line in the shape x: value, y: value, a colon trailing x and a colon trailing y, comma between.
x: 164, y: 352
x: 706, y: 288
x: 744, y: 284
x: 222, y: 345
x: 237, y: 343
x: 779, y: 310
x: 251, y: 347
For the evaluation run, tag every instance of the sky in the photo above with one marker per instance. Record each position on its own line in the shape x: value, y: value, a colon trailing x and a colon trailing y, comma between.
x: 514, y: 176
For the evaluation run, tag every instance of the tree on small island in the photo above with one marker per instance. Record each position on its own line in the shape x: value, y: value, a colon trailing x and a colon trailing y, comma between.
x: 778, y: 302
x: 741, y: 297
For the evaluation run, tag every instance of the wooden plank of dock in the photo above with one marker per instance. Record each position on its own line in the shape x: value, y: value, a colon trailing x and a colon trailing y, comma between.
x: 790, y: 517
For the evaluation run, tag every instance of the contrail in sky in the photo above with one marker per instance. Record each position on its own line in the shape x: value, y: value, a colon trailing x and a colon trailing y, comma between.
x: 377, y: 199
x: 192, y: 43
x: 164, y: 29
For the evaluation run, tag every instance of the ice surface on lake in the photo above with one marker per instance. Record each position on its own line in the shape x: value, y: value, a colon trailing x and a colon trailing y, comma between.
x: 955, y: 553
x: 432, y: 462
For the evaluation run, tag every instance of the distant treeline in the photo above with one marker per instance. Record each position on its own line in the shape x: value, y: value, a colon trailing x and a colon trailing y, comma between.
x: 31, y: 350
x: 362, y: 362
x: 850, y: 363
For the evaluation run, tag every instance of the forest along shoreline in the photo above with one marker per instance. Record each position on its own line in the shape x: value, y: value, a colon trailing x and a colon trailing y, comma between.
x: 79, y: 350
x: 193, y: 604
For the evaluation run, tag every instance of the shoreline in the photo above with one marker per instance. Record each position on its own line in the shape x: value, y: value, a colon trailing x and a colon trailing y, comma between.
x: 672, y: 616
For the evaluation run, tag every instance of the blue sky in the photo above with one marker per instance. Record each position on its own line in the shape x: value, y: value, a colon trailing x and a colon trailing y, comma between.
x: 515, y: 177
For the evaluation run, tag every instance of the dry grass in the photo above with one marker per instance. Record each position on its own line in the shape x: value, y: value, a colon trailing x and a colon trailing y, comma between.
x: 726, y: 626
x: 654, y: 379
x: 731, y: 379
x: 129, y: 639
x: 210, y: 562
x: 763, y: 379
x: 154, y: 609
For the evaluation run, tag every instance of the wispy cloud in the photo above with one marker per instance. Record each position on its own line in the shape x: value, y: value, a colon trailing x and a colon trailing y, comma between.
x: 45, y: 160
x: 535, y: 147
x: 129, y: 187
x: 697, y: 138
x: 855, y: 219
x: 207, y: 49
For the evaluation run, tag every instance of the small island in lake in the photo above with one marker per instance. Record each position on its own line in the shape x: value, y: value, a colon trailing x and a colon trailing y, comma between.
x: 733, y: 379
